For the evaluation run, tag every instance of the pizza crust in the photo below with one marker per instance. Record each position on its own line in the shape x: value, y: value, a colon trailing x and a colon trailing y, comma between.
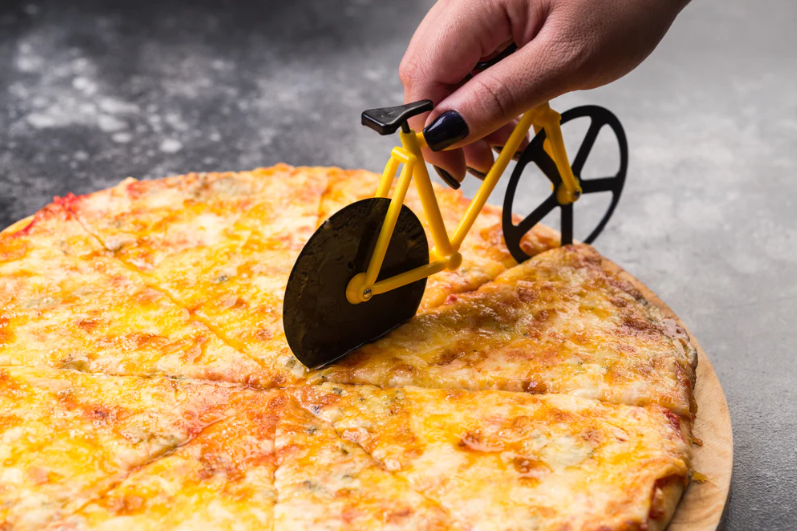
x: 666, y: 499
x: 18, y: 226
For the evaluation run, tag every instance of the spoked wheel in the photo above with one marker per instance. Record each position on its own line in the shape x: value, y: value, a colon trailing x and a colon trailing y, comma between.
x: 321, y: 325
x: 535, y: 153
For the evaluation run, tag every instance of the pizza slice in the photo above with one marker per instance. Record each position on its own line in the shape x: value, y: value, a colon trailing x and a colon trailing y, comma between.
x: 222, y: 480
x: 65, y: 303
x: 68, y: 436
x: 238, y: 291
x: 506, y: 461
x: 53, y: 228
x: 144, y: 223
x: 484, y: 253
x: 325, y: 482
x: 221, y: 245
x: 561, y: 322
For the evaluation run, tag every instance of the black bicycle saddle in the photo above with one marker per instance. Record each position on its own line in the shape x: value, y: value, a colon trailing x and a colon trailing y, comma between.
x: 387, y: 120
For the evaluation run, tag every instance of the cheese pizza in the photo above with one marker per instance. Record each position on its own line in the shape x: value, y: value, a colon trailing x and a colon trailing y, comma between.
x: 326, y: 482
x: 146, y: 383
x: 216, y: 230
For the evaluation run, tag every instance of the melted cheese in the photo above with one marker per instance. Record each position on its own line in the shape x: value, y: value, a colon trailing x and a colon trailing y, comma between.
x: 238, y: 292
x: 325, y: 482
x: 222, y: 479
x: 65, y: 303
x: 222, y: 246
x: 145, y: 223
x: 501, y: 461
x: 67, y: 436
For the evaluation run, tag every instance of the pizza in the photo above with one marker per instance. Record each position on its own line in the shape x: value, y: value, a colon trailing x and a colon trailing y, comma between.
x: 219, y: 230
x: 350, y: 490
x: 146, y: 383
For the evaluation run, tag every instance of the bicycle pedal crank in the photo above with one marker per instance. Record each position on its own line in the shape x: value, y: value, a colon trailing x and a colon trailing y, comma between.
x: 321, y: 325
x: 535, y: 153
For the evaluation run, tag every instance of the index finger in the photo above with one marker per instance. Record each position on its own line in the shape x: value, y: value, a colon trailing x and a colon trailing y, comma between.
x: 442, y: 53
x: 448, y: 44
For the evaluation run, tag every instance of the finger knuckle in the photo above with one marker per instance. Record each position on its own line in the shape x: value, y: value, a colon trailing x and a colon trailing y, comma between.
x: 409, y: 71
x: 494, y: 96
x: 573, y: 56
x: 576, y: 56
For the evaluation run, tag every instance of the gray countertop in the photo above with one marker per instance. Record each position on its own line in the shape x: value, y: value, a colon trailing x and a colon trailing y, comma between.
x: 93, y: 92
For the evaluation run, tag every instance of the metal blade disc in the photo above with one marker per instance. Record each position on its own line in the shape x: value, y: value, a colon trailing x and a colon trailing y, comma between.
x: 321, y: 325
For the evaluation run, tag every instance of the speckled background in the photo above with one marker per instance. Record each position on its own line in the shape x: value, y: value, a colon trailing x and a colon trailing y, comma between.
x: 92, y: 92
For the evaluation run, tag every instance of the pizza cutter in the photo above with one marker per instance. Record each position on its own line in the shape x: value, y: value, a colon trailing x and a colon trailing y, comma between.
x: 321, y: 325
x: 328, y: 311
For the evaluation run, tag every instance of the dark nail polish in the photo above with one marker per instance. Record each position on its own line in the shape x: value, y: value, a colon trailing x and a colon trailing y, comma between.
x: 447, y: 129
x: 447, y: 178
x: 476, y: 173
x: 515, y: 157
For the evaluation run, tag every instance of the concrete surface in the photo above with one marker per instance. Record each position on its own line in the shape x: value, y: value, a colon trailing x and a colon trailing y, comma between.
x: 92, y: 92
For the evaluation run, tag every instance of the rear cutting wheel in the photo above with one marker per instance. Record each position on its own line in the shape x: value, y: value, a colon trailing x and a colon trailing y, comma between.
x: 535, y: 153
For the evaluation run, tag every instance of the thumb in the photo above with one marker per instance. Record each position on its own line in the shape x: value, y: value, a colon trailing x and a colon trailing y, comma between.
x: 536, y: 73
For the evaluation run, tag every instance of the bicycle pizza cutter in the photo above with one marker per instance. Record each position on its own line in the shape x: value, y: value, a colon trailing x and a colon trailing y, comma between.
x: 363, y: 272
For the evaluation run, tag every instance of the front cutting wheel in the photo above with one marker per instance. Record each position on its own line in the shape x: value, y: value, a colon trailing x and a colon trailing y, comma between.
x: 536, y: 154
x: 321, y: 325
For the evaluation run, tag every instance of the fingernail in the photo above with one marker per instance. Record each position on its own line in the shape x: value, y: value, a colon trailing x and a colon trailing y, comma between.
x: 447, y: 178
x: 516, y: 157
x: 476, y: 173
x: 447, y: 129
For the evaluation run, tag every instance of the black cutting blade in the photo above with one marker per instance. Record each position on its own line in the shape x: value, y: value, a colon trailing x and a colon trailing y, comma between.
x: 535, y: 155
x: 321, y: 325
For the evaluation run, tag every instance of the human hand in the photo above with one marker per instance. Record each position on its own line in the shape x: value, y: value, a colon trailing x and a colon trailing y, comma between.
x: 563, y: 45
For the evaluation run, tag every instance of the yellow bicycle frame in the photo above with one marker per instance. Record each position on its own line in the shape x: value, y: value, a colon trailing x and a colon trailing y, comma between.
x: 445, y: 253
